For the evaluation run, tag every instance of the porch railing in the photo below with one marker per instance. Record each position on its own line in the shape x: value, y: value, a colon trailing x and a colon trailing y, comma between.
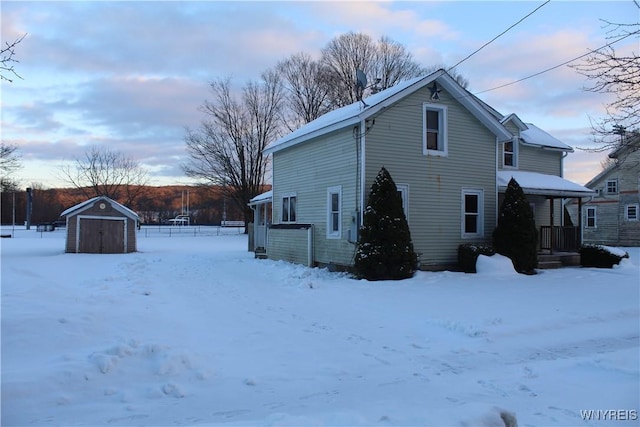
x: 565, y: 239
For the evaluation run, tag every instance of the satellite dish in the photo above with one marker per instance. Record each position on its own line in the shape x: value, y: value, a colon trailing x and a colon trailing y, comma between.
x: 361, y: 84
x: 361, y: 79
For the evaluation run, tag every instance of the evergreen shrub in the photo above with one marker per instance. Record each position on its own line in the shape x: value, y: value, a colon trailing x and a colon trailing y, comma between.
x: 385, y: 250
x: 468, y: 255
x: 598, y: 256
x: 516, y: 236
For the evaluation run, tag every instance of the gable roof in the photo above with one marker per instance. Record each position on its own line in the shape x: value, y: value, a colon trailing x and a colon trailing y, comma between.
x: 533, y: 135
x: 88, y: 203
x: 356, y: 112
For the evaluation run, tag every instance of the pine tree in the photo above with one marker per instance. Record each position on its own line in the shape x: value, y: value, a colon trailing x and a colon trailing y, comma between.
x: 385, y: 250
x: 516, y: 236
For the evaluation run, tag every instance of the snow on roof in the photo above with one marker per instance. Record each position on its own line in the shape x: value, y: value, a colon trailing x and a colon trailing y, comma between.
x: 125, y: 210
x: 536, y: 136
x: 337, y: 119
x: 354, y: 113
x: 267, y: 195
x: 542, y: 184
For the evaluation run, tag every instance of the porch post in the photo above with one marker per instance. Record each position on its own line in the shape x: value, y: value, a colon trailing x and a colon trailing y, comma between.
x: 551, y: 223
x: 579, y: 222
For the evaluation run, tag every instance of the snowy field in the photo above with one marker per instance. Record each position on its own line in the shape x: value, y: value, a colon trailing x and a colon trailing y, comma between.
x: 192, y: 330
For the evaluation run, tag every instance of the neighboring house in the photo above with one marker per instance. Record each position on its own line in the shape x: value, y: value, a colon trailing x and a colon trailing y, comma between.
x: 612, y: 216
x: 450, y: 155
x: 100, y: 225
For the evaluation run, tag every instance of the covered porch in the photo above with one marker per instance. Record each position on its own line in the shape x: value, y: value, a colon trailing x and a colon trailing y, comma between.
x: 258, y: 231
x: 556, y: 240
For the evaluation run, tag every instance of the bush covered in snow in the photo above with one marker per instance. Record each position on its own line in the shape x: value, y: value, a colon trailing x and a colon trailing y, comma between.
x: 516, y: 236
x: 468, y: 255
x: 385, y: 250
x: 601, y: 256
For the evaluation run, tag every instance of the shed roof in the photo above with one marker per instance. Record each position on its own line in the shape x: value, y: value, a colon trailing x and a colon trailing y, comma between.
x: 88, y: 203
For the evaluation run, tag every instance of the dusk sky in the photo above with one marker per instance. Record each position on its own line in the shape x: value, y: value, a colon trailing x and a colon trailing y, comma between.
x: 132, y: 75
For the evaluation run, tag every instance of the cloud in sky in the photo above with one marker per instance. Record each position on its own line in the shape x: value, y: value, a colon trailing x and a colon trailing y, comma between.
x: 132, y: 75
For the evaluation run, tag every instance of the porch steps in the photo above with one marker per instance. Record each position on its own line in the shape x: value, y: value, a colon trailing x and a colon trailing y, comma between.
x: 558, y: 260
x: 546, y: 262
x: 261, y: 253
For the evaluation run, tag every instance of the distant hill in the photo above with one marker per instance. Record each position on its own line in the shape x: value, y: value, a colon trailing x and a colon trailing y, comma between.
x: 155, y: 205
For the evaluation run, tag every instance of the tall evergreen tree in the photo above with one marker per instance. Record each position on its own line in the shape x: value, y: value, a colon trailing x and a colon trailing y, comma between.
x: 516, y: 236
x: 385, y: 250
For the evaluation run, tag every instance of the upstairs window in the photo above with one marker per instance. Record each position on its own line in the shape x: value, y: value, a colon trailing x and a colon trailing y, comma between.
x: 289, y: 208
x: 509, y: 153
x: 434, y: 136
x: 612, y: 186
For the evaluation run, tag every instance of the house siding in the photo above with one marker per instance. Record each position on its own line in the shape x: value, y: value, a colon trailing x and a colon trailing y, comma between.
x: 289, y: 245
x: 612, y: 227
x: 328, y: 161
x: 536, y: 159
x: 435, y: 183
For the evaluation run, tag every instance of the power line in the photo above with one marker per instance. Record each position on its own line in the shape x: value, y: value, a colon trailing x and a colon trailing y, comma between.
x: 499, y: 35
x: 557, y: 66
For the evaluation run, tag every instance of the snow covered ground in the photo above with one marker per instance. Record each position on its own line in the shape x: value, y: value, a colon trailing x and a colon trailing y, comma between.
x: 192, y: 330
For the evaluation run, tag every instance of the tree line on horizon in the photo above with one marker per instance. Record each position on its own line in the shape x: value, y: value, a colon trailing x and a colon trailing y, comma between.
x: 155, y: 205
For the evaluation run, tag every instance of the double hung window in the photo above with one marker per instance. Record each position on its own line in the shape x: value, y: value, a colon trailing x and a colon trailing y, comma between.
x: 289, y: 208
x: 434, y: 118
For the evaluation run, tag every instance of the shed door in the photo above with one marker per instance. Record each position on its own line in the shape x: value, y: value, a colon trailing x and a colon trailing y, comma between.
x: 101, y: 236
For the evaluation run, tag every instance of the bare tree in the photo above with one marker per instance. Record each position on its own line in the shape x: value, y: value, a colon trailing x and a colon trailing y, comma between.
x: 393, y: 64
x: 9, y: 163
x: 227, y: 149
x: 385, y: 62
x: 618, y: 74
x: 103, y: 172
x: 7, y: 60
x: 306, y: 90
x: 341, y: 57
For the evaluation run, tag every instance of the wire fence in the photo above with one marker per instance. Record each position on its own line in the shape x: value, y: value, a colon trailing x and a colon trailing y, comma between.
x: 145, y: 231
x: 187, y: 230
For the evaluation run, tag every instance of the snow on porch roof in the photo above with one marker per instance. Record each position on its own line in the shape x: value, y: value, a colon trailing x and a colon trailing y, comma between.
x: 262, y: 198
x: 545, y: 185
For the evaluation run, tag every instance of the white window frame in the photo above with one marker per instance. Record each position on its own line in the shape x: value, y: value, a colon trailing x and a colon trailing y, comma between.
x: 614, y: 186
x: 628, y: 208
x: 403, y: 189
x: 442, y: 150
x: 586, y: 217
x: 480, y: 214
x: 331, y: 233
x: 288, y: 220
x: 514, y: 154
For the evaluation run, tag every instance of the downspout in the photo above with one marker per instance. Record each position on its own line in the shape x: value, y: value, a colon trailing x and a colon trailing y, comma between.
x: 497, y: 203
x: 362, y: 143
